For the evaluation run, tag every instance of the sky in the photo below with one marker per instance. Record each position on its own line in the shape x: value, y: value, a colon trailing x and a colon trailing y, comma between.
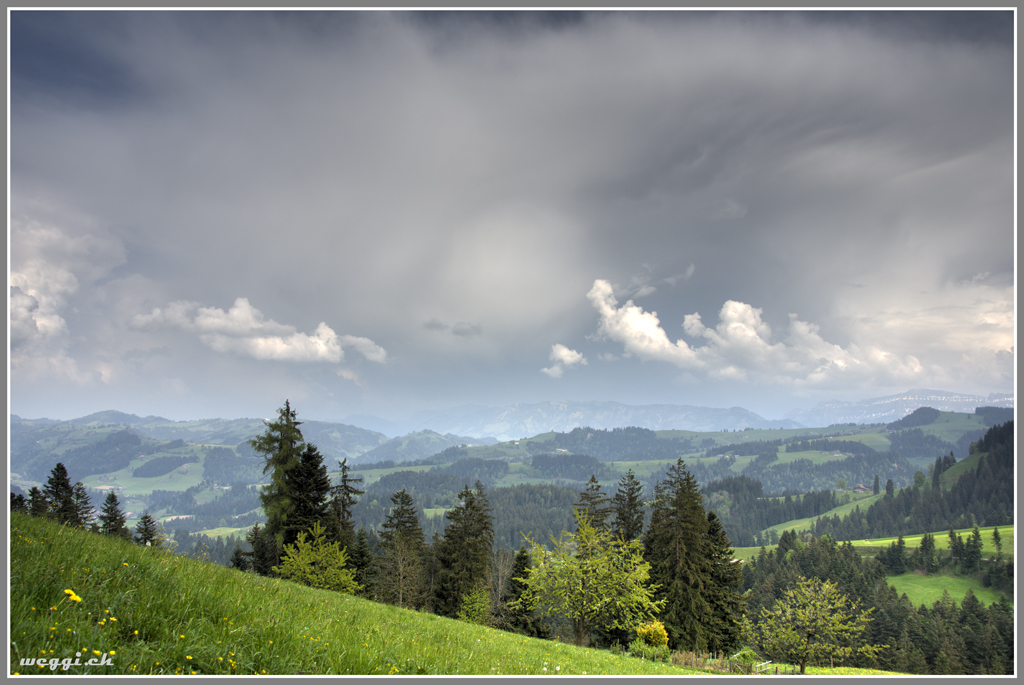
x: 382, y: 213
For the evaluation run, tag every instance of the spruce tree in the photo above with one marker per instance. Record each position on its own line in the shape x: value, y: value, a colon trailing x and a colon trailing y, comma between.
x: 676, y: 549
x: 239, y: 559
x: 265, y: 551
x: 400, y: 577
x: 19, y: 503
x: 112, y: 519
x: 521, y: 619
x: 84, y: 512
x: 362, y: 561
x: 464, y: 553
x: 281, y: 446
x: 628, y: 506
x: 343, y: 499
x: 723, y: 591
x: 147, y: 531
x: 37, y: 502
x: 593, y: 504
x: 310, y: 486
x: 59, y: 494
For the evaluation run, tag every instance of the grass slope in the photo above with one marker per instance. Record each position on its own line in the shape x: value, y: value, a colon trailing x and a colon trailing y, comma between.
x: 927, y: 590
x: 145, y: 611
x: 151, y: 612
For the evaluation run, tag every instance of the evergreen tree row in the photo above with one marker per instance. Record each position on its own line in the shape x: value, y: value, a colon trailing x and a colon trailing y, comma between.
x: 70, y: 505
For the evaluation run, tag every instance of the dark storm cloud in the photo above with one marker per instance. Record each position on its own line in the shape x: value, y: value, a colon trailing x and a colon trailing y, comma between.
x: 838, y: 185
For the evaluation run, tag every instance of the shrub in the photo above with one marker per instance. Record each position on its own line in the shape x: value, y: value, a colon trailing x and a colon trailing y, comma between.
x: 653, y: 634
x: 641, y: 649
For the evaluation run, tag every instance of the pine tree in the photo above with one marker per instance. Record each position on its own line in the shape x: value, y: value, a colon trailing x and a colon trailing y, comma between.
x: 343, y: 500
x: 84, y: 512
x: 147, y: 531
x: 675, y: 547
x: 310, y: 486
x: 628, y: 505
x: 37, y: 502
x: 112, y: 519
x: 464, y: 554
x: 19, y: 503
x: 59, y: 494
x: 876, y: 488
x: 521, y: 619
x: 593, y: 504
x: 400, y: 576
x: 265, y: 551
x: 723, y: 591
x: 361, y: 560
x: 281, y: 446
x: 239, y: 559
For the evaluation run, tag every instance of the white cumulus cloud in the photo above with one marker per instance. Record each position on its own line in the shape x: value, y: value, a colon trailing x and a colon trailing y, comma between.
x: 564, y: 358
x: 243, y: 330
x: 741, y: 347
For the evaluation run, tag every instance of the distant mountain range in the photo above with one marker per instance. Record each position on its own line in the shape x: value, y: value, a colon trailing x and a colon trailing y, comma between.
x: 360, y: 438
x: 894, y: 407
x: 526, y: 420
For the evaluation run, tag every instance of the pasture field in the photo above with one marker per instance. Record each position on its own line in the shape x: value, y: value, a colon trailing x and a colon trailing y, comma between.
x: 180, y: 479
x: 951, y: 425
x: 857, y: 499
x: 223, y: 532
x: 927, y: 590
x: 371, y: 476
x: 988, y: 547
x: 145, y: 611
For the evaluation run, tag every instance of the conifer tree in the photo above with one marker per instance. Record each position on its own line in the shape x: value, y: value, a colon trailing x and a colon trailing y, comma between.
x: 464, y: 553
x: 723, y: 591
x: 19, y: 503
x: 593, y: 504
x: 147, y: 531
x: 400, y: 576
x: 676, y: 549
x: 522, y: 619
x: 265, y: 551
x: 112, y: 519
x: 37, y: 502
x: 310, y: 486
x: 59, y: 495
x: 281, y: 446
x: 84, y: 512
x: 239, y: 559
x: 343, y: 500
x: 362, y: 561
x: 628, y: 506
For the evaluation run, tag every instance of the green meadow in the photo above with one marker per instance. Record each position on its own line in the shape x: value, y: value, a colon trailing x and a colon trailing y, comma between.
x: 144, y: 611
x: 927, y: 590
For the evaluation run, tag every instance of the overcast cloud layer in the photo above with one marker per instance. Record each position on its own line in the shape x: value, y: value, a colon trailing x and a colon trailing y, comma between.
x: 379, y: 213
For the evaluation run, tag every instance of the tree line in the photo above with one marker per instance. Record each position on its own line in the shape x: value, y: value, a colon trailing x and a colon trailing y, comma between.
x: 679, y: 566
x: 941, y: 639
x: 70, y: 505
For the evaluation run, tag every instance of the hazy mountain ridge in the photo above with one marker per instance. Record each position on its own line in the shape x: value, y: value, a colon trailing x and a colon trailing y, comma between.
x: 525, y: 420
x: 418, y: 445
x: 893, y: 407
x: 336, y: 441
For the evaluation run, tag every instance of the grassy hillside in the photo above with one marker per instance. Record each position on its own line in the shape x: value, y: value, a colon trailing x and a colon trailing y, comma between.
x: 927, y: 590
x: 154, y: 613
x: 145, y: 611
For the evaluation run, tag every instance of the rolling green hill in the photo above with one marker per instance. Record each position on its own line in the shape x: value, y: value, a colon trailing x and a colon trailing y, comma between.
x: 148, y: 612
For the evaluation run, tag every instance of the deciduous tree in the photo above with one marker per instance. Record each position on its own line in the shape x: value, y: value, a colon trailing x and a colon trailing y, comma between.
x: 813, y: 622
x: 606, y: 587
